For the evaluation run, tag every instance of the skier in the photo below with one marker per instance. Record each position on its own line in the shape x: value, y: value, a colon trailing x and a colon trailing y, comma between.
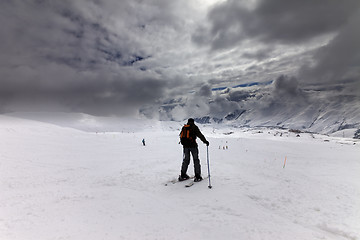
x: 188, y: 136
x: 143, y: 141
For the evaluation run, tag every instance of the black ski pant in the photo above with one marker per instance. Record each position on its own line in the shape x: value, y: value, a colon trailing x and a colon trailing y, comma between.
x: 186, y: 161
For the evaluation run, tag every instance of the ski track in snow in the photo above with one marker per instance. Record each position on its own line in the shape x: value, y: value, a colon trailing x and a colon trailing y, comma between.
x: 62, y: 183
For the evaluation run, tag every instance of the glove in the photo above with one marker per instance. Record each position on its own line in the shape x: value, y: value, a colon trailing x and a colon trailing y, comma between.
x: 207, y: 143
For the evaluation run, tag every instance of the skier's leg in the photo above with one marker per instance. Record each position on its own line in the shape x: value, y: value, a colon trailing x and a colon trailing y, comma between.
x: 197, y: 166
x: 186, y: 161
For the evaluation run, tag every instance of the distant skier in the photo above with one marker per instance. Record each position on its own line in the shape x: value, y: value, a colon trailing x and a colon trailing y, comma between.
x: 143, y: 141
x: 188, y: 136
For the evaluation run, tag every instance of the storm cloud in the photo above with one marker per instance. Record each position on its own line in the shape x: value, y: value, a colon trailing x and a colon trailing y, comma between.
x: 168, y: 58
x: 284, y: 21
x: 94, y: 56
x: 340, y: 59
x: 325, y: 29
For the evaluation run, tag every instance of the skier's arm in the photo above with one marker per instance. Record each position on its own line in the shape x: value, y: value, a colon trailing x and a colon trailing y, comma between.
x: 201, y: 136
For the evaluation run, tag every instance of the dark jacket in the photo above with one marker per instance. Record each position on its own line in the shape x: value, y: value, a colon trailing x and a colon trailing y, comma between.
x: 197, y: 133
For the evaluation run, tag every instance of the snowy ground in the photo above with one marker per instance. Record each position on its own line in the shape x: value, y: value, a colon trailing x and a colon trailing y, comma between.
x: 63, y: 183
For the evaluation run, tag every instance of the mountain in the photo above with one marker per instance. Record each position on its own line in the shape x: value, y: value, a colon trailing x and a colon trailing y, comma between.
x: 326, y: 111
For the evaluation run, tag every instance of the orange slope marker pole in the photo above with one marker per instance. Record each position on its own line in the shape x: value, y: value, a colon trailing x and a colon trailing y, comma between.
x: 284, y: 162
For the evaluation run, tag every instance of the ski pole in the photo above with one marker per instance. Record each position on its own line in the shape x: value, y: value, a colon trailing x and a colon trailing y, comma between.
x: 207, y: 152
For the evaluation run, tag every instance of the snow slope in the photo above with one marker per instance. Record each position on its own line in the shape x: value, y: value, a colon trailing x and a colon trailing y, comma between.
x: 63, y: 183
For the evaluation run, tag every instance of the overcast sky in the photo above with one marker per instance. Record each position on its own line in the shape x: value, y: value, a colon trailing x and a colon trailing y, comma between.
x: 115, y: 56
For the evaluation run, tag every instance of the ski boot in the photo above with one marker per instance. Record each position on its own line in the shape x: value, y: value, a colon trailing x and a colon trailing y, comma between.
x: 183, y: 177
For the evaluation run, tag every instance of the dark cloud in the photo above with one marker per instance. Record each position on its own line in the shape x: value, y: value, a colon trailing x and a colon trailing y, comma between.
x: 205, y: 91
x: 85, y: 56
x: 114, y: 94
x: 284, y: 21
x: 258, y: 55
x: 286, y: 85
x: 238, y: 96
x: 339, y: 60
x: 221, y: 106
x: 118, y: 56
x: 321, y: 36
x: 295, y: 21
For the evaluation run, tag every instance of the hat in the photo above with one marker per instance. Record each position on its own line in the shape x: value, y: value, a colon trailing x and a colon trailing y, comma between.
x: 190, y: 120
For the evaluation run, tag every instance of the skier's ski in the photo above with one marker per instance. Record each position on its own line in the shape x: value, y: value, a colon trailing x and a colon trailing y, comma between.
x: 176, y: 181
x: 190, y: 184
x: 193, y: 182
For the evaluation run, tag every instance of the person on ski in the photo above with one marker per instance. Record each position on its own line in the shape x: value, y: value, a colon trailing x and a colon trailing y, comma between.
x: 190, y: 146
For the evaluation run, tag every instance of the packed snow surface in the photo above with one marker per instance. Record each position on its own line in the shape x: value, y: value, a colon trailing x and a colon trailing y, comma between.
x: 58, y: 182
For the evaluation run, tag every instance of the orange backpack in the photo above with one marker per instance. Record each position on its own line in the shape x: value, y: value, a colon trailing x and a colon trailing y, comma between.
x: 187, y: 136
